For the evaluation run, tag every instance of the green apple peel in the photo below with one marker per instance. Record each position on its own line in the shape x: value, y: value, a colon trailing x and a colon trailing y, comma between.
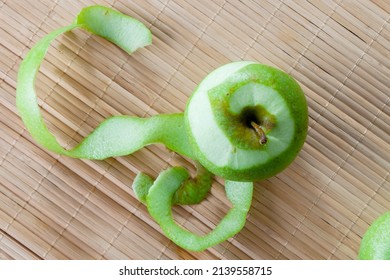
x: 245, y: 122
x: 375, y: 244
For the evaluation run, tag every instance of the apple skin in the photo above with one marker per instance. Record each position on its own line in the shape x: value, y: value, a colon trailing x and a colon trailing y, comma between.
x: 375, y: 244
x: 216, y: 137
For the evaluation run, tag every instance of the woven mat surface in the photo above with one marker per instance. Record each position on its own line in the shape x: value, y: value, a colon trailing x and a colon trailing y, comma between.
x: 55, y: 207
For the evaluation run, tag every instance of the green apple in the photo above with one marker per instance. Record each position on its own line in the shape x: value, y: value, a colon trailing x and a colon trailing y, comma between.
x: 247, y: 121
x: 375, y: 244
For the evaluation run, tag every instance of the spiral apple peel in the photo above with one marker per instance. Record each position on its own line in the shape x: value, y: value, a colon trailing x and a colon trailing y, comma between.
x: 245, y: 122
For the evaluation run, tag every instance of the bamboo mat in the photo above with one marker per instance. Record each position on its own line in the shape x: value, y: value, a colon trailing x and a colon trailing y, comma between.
x: 54, y: 207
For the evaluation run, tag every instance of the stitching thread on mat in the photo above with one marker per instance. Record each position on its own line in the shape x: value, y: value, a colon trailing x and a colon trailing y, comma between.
x: 170, y: 78
x: 184, y: 59
x: 124, y: 225
x: 262, y: 30
x: 314, y: 37
x: 159, y: 13
x: 32, y: 193
x: 20, y: 135
x: 30, y: 251
x: 335, y: 173
x: 57, y: 83
x: 358, y: 216
x: 13, y: 65
x: 82, y: 204
x: 351, y: 71
x: 92, y: 108
x: 115, y: 75
x: 231, y: 240
x: 29, y: 40
x: 68, y: 143
x: 377, y: 189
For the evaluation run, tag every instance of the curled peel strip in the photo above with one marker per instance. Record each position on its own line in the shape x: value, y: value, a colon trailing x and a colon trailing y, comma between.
x: 123, y: 135
x: 159, y: 201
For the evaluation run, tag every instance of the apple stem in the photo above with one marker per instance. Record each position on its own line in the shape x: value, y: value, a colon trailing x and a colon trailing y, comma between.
x: 259, y: 130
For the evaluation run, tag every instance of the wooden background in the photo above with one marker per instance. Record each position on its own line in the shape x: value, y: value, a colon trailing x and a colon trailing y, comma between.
x: 54, y: 207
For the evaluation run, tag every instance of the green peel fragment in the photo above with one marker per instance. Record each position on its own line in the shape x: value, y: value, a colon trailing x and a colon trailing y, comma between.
x: 194, y: 190
x: 159, y: 202
x: 124, y: 31
x: 123, y: 135
x: 26, y: 100
x: 141, y: 185
x: 190, y: 191
x: 375, y: 244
